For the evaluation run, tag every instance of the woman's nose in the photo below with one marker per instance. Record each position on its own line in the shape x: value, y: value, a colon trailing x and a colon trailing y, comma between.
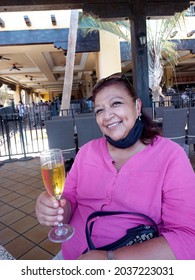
x: 107, y: 113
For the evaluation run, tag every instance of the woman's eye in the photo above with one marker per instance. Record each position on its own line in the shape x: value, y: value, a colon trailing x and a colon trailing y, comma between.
x: 116, y: 103
x: 98, y: 111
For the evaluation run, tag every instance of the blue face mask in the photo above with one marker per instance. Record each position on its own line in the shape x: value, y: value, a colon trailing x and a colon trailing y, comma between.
x: 130, y: 139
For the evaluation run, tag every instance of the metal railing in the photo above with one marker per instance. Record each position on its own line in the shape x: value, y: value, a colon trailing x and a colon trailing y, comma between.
x: 25, y: 135
x: 22, y: 136
x: 175, y: 101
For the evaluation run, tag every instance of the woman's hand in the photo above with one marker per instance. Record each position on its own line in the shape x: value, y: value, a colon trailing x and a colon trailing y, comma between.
x: 94, y: 255
x: 49, y: 211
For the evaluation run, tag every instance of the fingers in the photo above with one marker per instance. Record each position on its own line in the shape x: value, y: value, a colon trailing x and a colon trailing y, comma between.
x: 62, y: 202
x: 49, y: 211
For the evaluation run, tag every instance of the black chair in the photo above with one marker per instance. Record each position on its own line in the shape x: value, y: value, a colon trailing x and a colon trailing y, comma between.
x: 174, y: 125
x: 190, y: 139
x: 81, y: 115
x: 159, y: 111
x: 61, y: 135
x: 62, y: 117
x: 148, y: 111
x: 87, y: 129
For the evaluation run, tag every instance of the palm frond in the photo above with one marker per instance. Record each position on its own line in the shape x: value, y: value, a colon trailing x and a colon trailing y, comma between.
x: 169, y: 53
x: 160, y: 48
x: 89, y: 24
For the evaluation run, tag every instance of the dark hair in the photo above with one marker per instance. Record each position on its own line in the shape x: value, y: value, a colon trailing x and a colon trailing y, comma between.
x: 150, y: 130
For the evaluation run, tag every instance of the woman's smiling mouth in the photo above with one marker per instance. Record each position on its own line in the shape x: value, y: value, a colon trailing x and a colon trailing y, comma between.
x: 113, y: 124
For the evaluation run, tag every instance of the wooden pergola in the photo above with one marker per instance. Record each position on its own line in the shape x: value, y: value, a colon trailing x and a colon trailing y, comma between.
x: 137, y: 11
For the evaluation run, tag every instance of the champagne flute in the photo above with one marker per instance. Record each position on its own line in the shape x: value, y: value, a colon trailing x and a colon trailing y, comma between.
x: 53, y: 174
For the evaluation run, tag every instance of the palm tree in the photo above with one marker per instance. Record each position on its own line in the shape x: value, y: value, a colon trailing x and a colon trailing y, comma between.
x: 160, y: 48
x: 89, y: 23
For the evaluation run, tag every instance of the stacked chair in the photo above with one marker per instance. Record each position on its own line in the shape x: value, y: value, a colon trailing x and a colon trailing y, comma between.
x: 148, y: 111
x: 87, y: 129
x: 174, y: 125
x: 60, y: 134
x: 190, y: 133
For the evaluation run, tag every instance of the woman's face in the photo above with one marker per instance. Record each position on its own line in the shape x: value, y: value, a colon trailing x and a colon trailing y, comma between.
x: 116, y: 112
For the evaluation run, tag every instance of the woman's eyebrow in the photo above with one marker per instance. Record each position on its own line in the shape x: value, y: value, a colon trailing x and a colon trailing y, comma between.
x: 97, y: 106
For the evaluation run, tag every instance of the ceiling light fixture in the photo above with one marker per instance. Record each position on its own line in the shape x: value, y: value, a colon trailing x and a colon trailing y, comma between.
x: 53, y: 19
x: 30, y: 77
x: 141, y: 42
x: 4, y: 58
x: 142, y: 39
x: 190, y: 33
x: 2, y: 23
x: 27, y: 20
x: 173, y: 34
x: 14, y: 67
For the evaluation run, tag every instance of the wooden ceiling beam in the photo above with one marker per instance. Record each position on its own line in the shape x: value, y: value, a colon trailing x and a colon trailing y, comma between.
x: 104, y: 9
x: 165, y: 8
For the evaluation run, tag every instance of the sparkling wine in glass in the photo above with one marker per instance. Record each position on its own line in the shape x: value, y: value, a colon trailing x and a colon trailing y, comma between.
x: 53, y: 174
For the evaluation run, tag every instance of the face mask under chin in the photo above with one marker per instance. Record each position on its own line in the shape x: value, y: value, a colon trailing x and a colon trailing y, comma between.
x: 132, y: 137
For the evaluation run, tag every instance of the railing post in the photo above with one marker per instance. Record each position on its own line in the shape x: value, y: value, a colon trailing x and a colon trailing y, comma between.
x: 20, y: 120
x: 1, y: 120
x: 7, y: 131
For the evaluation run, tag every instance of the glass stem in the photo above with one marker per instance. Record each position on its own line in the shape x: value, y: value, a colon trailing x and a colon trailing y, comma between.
x: 60, y: 230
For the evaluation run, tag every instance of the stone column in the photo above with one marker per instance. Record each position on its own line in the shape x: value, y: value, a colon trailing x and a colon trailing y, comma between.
x: 139, y: 54
x: 17, y: 94
x: 108, y: 59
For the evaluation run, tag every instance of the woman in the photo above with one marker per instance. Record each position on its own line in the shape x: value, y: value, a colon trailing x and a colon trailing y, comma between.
x: 132, y: 168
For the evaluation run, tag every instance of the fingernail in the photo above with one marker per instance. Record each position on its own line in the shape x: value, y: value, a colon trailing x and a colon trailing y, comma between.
x: 55, y: 204
x: 60, y: 211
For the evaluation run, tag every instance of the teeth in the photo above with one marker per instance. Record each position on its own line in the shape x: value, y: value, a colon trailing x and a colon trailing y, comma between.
x: 111, y: 125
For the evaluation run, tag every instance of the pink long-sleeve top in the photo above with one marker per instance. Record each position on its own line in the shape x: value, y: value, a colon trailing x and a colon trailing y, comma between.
x: 158, y: 181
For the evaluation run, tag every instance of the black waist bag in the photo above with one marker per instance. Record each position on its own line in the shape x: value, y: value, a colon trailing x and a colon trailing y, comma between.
x: 134, y: 235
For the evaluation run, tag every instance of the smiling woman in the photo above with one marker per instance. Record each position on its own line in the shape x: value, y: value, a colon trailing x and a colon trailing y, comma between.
x: 128, y: 170
x: 116, y: 113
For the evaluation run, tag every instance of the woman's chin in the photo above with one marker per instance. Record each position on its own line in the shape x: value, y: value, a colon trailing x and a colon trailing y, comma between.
x: 115, y: 138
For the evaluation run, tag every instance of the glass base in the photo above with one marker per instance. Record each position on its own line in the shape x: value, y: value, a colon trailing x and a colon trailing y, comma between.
x: 60, y: 234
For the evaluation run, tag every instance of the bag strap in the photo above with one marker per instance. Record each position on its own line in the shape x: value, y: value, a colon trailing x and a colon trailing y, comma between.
x: 98, y: 214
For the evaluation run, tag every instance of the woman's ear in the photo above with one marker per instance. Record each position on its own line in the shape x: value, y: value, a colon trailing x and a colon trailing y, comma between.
x: 138, y: 105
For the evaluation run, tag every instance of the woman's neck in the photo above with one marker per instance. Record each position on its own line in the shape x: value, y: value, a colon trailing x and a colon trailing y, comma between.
x: 121, y: 156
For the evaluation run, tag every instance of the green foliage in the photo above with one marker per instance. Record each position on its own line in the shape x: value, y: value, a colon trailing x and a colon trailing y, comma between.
x: 160, y: 49
x: 158, y: 34
x: 89, y: 23
x: 4, y: 94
